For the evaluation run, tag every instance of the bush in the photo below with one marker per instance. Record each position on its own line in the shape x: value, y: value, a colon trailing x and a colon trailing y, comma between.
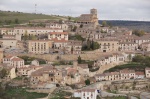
x: 138, y: 32
x: 76, y: 37
x: 87, y: 82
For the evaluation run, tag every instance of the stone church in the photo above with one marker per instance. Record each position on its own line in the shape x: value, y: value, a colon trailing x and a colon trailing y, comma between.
x: 89, y: 18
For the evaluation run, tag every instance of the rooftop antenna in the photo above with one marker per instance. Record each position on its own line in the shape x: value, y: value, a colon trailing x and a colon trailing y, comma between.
x: 35, y: 8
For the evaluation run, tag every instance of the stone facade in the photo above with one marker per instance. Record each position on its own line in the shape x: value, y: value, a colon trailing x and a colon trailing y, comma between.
x: 13, y: 61
x: 73, y: 47
x: 39, y: 46
x: 108, y: 45
x: 89, y: 18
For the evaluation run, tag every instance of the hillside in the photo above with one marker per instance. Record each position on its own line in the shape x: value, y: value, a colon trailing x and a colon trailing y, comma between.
x: 7, y: 17
x: 141, y: 25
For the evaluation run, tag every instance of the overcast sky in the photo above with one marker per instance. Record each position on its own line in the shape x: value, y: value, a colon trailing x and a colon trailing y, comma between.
x: 107, y: 9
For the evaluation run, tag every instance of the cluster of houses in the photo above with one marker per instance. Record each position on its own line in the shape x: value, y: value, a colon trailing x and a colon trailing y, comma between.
x: 47, y: 73
x: 117, y: 46
x: 124, y: 74
x: 109, y: 39
x: 56, y: 41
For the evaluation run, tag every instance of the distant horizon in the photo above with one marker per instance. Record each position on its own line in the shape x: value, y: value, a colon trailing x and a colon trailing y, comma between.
x: 78, y: 16
x: 136, y: 10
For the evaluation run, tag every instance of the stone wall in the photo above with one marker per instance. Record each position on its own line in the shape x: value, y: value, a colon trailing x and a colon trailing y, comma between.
x: 53, y: 57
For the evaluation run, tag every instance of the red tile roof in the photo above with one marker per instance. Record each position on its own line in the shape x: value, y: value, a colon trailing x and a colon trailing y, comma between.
x: 16, y: 59
x: 139, y: 73
x: 62, y: 40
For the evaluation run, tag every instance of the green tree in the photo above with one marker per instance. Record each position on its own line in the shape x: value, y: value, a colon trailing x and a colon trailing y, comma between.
x: 74, y: 29
x: 69, y: 18
x: 81, y: 25
x: 146, y: 61
x: 79, y: 60
x: 16, y: 21
x: 96, y: 45
x: 33, y: 37
x: 129, y: 57
x: 3, y: 73
x: 87, y: 82
x: 104, y: 23
x: 88, y: 44
x: 138, y: 32
x: 72, y: 50
x: 138, y: 58
x: 60, y: 21
x: 26, y: 36
x: 92, y: 45
x: 8, y: 22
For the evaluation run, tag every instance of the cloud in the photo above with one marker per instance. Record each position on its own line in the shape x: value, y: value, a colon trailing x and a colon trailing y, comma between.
x: 107, y: 9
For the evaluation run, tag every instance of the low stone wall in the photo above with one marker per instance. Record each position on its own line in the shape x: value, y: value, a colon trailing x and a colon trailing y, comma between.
x: 70, y: 57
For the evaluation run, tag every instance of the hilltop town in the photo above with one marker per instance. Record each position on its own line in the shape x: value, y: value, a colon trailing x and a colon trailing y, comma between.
x: 79, y: 59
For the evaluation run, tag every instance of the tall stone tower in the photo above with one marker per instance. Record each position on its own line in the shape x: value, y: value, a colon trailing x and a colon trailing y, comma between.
x: 94, y: 11
x: 95, y: 17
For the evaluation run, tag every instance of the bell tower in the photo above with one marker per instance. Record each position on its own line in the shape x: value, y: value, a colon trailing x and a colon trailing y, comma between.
x: 94, y: 11
x: 95, y: 17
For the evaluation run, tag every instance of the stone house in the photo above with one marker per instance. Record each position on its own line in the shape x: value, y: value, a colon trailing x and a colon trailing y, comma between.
x: 73, y: 47
x: 9, y: 43
x: 13, y: 61
x: 53, y: 25
x: 28, y: 30
x: 39, y: 46
x: 73, y: 76
x: 35, y: 62
x: 58, y: 36
x: 86, y: 93
x: 83, y: 69
x: 17, y: 37
x: 95, y: 36
x: 11, y: 72
x: 59, y: 44
x: 26, y: 71
x: 112, y: 76
x: 114, y: 59
x: 107, y: 45
x: 44, y: 75
x: 139, y: 75
x: 147, y: 72
x: 143, y: 39
x: 145, y: 46
x: 127, y: 74
x: 128, y: 46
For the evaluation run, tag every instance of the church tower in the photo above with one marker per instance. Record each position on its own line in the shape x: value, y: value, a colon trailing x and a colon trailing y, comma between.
x: 95, y: 17
x: 94, y: 11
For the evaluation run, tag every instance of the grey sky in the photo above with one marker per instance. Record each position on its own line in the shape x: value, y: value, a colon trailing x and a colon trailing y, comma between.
x: 107, y: 9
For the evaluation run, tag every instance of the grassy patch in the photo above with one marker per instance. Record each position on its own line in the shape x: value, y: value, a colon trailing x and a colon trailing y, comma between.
x: 134, y: 66
x: 115, y: 97
x: 76, y: 37
x: 18, y: 78
x: 112, y: 91
x: 20, y: 93
x: 8, y: 17
x: 60, y: 95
